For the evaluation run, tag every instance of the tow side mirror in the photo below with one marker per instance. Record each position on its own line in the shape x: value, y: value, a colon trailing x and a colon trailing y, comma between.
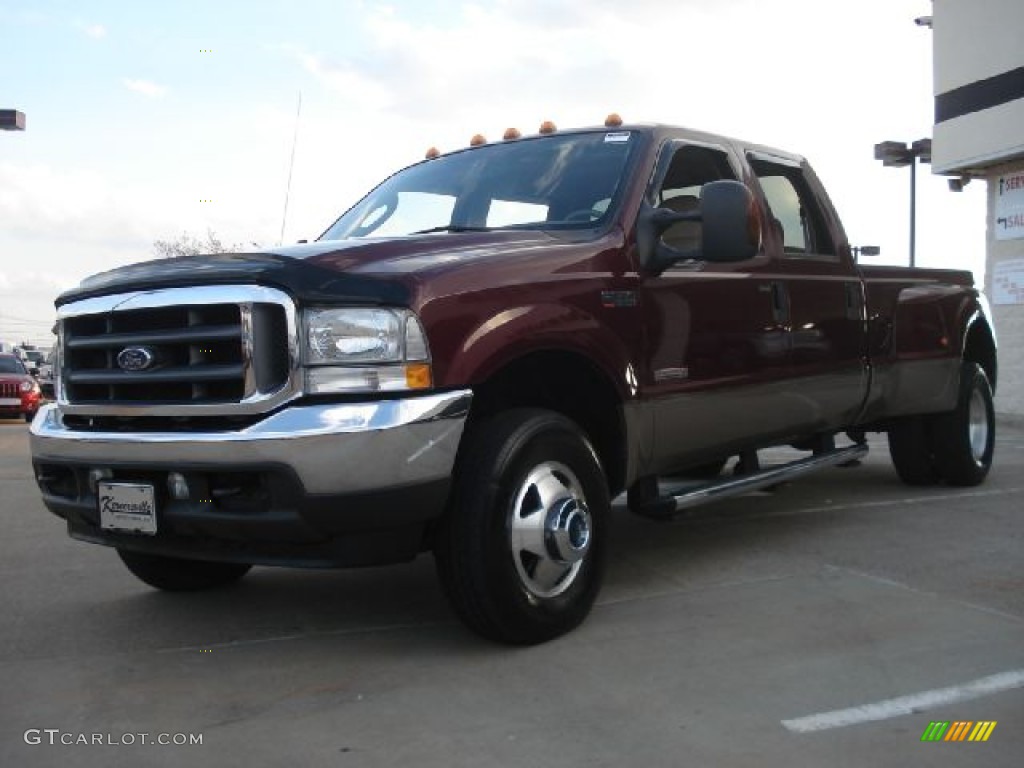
x: 732, y: 224
x: 730, y: 231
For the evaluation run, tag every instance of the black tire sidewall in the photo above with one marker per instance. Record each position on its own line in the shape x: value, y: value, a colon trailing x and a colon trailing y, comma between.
x: 172, y: 574
x: 488, y: 592
x: 910, y: 447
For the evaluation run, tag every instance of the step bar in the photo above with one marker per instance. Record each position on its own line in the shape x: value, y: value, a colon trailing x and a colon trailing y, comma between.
x: 726, y: 487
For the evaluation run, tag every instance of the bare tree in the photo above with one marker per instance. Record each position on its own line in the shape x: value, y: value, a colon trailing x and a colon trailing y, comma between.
x: 190, y: 245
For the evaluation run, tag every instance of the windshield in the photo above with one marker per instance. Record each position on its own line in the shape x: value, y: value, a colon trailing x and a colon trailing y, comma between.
x: 552, y: 182
x: 11, y: 364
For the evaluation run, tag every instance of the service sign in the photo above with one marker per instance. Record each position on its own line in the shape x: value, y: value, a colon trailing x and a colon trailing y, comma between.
x: 1009, y: 217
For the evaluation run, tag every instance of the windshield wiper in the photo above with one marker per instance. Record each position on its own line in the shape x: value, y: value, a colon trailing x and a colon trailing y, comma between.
x: 451, y: 228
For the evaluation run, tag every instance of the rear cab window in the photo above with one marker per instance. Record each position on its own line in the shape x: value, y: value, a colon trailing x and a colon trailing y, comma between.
x: 793, y: 211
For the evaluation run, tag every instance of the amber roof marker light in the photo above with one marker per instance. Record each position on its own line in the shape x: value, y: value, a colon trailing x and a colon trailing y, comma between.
x: 511, y: 134
x: 477, y: 140
x: 613, y: 121
x: 548, y: 127
x: 432, y: 153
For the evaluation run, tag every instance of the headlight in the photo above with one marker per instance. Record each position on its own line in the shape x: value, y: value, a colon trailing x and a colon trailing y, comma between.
x: 27, y: 386
x: 364, y: 349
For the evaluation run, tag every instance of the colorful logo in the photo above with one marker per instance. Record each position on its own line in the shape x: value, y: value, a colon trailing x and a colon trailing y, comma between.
x: 958, y: 730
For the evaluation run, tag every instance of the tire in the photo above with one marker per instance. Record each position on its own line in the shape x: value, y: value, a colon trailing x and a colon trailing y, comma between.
x: 910, y: 446
x: 29, y: 417
x: 173, y: 574
x: 964, y: 439
x: 521, y: 551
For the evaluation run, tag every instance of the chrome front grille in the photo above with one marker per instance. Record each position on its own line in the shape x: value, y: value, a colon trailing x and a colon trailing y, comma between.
x: 9, y: 389
x: 181, y: 351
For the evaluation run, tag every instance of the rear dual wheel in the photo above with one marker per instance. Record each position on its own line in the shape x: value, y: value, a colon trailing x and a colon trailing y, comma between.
x: 521, y: 552
x: 956, y: 446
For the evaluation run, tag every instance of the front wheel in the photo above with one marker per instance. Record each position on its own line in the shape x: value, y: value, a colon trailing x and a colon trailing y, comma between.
x: 521, y: 551
x: 964, y: 439
x: 174, y: 574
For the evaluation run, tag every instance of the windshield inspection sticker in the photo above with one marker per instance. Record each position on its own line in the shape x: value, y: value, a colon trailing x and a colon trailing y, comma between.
x: 619, y: 137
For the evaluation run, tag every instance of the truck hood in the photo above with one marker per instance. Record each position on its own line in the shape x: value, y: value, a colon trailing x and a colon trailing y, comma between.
x: 370, y: 271
x: 406, y: 255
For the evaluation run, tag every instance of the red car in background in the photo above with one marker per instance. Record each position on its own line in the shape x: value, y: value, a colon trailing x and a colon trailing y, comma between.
x: 19, y: 392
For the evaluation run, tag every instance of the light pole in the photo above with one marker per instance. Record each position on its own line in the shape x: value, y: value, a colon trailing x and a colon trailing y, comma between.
x: 12, y: 120
x: 896, y: 154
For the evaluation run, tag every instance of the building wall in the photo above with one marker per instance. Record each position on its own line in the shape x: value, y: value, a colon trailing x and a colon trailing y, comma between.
x: 979, y: 133
x: 974, y: 42
x: 1005, y: 262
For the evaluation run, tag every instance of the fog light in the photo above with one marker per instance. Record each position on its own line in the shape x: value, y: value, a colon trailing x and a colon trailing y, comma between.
x: 98, y: 475
x: 177, y: 486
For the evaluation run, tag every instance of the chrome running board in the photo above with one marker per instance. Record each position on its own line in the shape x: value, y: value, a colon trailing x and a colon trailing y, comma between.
x: 726, y: 487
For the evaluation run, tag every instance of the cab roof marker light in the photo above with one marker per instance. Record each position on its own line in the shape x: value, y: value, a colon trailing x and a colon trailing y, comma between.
x: 477, y: 140
x: 511, y: 134
x: 613, y: 120
x: 432, y: 153
x: 548, y: 127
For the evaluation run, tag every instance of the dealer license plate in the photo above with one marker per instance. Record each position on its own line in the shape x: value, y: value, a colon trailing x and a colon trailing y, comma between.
x: 10, y: 401
x: 127, y: 507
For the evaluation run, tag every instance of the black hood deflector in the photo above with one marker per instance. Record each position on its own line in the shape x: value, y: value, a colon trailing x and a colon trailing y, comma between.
x: 307, y: 283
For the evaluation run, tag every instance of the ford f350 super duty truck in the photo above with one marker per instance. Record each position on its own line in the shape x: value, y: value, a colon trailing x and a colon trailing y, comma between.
x: 488, y: 348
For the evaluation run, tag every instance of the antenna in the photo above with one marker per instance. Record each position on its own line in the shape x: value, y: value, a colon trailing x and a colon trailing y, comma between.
x: 291, y: 166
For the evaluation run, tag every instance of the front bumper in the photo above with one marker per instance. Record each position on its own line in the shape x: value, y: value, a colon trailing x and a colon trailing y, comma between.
x: 321, y: 485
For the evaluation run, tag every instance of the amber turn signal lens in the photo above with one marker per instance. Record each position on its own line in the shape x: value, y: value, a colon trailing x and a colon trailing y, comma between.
x: 417, y: 376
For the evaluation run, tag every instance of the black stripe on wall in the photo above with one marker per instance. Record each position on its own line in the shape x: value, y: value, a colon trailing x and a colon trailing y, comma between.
x: 980, y: 95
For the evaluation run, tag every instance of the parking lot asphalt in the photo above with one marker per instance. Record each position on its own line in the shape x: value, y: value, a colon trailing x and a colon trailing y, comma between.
x: 826, y: 623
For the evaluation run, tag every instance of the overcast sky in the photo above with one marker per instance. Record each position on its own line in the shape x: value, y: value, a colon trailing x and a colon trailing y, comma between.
x: 138, y: 113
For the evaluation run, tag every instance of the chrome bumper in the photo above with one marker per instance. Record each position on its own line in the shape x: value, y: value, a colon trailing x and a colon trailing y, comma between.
x: 333, y: 449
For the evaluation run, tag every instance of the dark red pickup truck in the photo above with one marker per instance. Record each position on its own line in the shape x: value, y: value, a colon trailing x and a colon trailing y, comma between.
x: 488, y: 348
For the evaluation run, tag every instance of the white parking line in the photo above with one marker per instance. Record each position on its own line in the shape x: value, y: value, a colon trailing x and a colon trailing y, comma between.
x: 907, y: 705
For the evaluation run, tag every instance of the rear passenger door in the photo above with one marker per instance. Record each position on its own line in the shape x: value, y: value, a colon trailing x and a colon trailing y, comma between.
x: 827, y: 322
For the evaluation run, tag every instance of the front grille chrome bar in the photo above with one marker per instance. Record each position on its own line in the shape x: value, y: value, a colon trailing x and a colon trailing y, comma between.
x: 205, y: 351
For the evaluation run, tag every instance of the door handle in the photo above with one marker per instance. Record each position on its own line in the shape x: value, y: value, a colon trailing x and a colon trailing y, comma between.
x: 854, y: 301
x: 780, y: 303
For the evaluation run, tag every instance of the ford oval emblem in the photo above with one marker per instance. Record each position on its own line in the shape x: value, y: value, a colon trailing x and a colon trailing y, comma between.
x: 136, y: 358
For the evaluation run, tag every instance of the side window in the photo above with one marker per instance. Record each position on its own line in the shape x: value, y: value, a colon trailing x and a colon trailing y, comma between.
x: 793, y: 211
x: 690, y: 168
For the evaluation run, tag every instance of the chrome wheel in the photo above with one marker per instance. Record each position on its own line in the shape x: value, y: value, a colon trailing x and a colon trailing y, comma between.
x: 963, y: 439
x: 978, y: 426
x: 549, y: 530
x: 521, y: 551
